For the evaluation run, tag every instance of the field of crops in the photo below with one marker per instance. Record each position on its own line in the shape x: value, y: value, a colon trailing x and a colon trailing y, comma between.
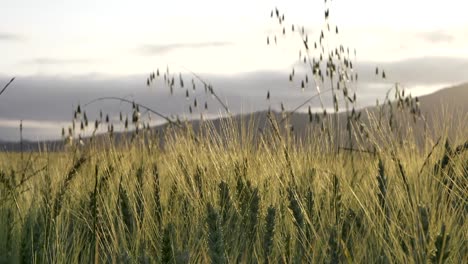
x: 235, y: 195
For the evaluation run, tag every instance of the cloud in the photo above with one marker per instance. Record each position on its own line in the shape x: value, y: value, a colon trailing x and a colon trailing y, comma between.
x: 55, y: 61
x: 438, y: 36
x: 10, y: 37
x: 165, y: 48
x: 420, y: 71
x: 7, y: 123
x: 50, y: 100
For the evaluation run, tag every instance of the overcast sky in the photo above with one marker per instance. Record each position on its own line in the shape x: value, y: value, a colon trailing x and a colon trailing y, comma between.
x: 73, y: 49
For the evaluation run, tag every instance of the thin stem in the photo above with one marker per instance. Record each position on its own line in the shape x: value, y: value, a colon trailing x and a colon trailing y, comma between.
x: 6, y: 86
x: 301, y: 105
x: 130, y: 102
x: 211, y: 90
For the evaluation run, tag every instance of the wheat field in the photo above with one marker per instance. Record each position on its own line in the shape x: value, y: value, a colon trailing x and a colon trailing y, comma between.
x: 235, y: 195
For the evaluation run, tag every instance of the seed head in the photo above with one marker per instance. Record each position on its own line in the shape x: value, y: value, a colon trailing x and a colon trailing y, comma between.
x: 311, y: 117
x: 181, y: 81
x: 136, y: 117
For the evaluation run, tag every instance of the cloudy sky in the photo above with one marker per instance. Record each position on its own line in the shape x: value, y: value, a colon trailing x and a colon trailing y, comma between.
x: 64, y: 52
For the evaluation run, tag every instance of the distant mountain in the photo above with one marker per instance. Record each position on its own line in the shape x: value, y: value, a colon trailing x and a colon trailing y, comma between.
x: 453, y: 100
